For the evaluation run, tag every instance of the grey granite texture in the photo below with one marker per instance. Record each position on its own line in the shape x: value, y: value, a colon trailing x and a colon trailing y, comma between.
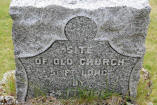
x: 65, y: 44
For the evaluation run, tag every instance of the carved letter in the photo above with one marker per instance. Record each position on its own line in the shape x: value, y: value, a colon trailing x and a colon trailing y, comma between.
x: 69, y: 49
x: 121, y: 62
x: 113, y: 62
x: 56, y: 61
x: 89, y: 62
x: 106, y: 61
x: 97, y: 62
x: 69, y: 62
x: 82, y: 49
x: 82, y: 62
x: 38, y: 61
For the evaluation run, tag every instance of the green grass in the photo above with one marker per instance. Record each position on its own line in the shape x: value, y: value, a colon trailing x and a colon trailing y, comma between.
x: 6, y: 45
x: 144, y: 90
x: 150, y: 59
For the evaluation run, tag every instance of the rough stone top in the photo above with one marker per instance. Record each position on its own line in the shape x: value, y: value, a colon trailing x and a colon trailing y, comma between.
x: 85, y: 4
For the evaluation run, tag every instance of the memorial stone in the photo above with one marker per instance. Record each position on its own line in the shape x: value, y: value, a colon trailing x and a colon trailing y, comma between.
x: 62, y: 46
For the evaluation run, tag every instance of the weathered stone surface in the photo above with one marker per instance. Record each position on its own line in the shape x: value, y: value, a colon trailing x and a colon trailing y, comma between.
x: 69, y: 44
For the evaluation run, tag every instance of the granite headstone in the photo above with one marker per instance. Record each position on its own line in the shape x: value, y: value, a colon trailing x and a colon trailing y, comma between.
x: 65, y: 45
